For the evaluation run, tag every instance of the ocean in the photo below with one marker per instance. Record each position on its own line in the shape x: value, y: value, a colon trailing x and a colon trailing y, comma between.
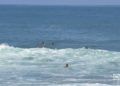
x: 36, y: 43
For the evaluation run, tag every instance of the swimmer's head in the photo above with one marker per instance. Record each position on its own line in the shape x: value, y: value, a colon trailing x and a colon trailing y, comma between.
x: 66, y: 65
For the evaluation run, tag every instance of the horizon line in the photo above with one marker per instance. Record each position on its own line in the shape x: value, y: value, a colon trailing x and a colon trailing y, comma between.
x: 101, y: 5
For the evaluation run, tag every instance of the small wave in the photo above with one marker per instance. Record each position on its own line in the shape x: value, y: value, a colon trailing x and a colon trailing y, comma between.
x: 4, y: 46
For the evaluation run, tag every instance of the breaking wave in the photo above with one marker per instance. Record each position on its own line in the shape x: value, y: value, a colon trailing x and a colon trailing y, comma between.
x: 85, y: 64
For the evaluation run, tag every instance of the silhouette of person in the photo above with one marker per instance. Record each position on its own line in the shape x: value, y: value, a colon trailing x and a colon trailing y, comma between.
x: 43, y: 44
x: 52, y: 43
x: 86, y: 47
x: 66, y: 65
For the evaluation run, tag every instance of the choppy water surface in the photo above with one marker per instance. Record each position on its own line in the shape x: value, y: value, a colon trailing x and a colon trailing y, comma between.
x: 44, y: 66
x: 66, y: 31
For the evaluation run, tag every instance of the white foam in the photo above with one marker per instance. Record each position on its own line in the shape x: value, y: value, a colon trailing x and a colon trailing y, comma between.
x: 2, y: 46
x: 81, y: 60
x: 86, y: 84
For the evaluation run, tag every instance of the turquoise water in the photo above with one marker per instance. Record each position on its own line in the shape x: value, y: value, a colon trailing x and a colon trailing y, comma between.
x: 66, y: 31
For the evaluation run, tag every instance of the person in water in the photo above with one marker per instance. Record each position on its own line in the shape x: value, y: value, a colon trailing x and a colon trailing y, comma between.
x: 43, y: 44
x: 66, y: 65
x: 52, y: 43
x: 86, y: 47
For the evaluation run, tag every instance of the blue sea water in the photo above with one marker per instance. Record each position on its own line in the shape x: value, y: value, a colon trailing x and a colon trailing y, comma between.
x: 65, y: 30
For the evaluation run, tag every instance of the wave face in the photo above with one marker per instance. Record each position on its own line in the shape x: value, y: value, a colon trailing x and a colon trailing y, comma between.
x: 44, y: 66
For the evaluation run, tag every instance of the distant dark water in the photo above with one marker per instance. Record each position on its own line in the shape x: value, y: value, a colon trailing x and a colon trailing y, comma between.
x: 67, y: 27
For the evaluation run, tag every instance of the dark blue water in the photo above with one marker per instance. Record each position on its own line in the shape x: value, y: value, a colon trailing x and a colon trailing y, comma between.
x: 67, y: 27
